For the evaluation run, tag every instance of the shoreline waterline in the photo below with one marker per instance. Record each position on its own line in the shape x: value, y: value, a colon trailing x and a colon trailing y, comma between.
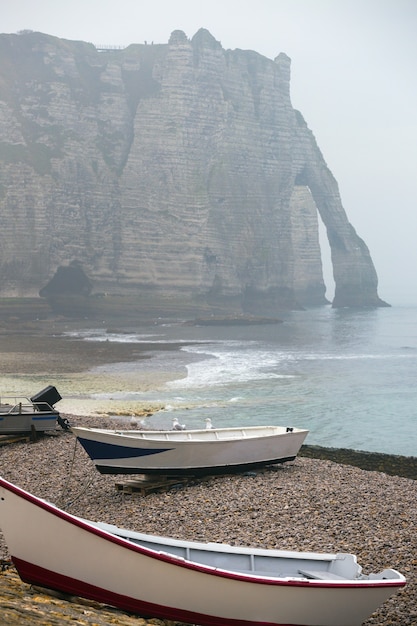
x: 390, y: 464
x: 345, y: 376
x: 85, y: 371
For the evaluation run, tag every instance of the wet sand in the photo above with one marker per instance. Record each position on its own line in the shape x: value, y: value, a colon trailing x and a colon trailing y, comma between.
x: 33, y: 359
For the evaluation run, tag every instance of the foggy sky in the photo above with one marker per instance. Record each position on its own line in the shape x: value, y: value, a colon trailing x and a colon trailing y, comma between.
x: 354, y: 69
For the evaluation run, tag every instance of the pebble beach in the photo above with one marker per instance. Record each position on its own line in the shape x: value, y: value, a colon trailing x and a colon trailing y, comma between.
x: 308, y: 504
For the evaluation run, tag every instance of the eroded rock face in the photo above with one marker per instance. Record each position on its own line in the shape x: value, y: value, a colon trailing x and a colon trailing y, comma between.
x: 179, y: 169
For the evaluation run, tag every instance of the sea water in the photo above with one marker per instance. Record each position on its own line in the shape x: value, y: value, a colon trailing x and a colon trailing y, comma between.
x: 348, y: 376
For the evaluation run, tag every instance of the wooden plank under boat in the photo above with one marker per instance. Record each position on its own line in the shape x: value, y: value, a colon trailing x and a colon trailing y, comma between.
x: 200, y: 583
x: 189, y: 452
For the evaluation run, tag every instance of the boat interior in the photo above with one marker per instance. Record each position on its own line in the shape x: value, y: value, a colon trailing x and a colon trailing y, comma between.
x: 214, y: 434
x: 254, y: 561
x: 21, y: 405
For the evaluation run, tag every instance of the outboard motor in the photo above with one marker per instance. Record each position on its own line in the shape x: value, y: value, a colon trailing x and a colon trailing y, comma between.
x: 44, y: 402
x: 63, y: 422
x: 45, y: 399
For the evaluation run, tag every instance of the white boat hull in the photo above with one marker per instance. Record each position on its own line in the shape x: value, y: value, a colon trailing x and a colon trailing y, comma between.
x: 191, y: 452
x: 54, y: 549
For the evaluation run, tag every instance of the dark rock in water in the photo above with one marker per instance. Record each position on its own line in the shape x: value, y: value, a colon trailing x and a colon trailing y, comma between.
x: 238, y: 320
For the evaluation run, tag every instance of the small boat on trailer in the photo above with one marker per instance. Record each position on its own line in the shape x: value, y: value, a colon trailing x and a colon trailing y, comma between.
x: 198, y: 583
x: 25, y: 415
x: 189, y: 452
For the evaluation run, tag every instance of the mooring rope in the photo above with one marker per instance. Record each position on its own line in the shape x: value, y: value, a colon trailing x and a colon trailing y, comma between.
x: 65, y: 487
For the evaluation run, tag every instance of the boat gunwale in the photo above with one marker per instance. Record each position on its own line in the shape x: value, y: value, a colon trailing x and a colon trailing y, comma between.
x: 191, y: 435
x: 253, y: 578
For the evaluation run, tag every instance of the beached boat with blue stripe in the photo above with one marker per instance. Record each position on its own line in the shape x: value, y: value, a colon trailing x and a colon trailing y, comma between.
x: 189, y: 452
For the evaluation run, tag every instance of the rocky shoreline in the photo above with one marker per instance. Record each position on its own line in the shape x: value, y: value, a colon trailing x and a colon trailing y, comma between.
x: 309, y: 504
x: 391, y: 464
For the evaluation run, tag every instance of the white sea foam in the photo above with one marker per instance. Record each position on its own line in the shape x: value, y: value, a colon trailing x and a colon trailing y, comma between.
x: 348, y: 378
x: 99, y: 335
x: 231, y: 364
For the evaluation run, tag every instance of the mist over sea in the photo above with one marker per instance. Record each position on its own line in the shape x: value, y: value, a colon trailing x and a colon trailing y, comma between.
x: 349, y: 376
